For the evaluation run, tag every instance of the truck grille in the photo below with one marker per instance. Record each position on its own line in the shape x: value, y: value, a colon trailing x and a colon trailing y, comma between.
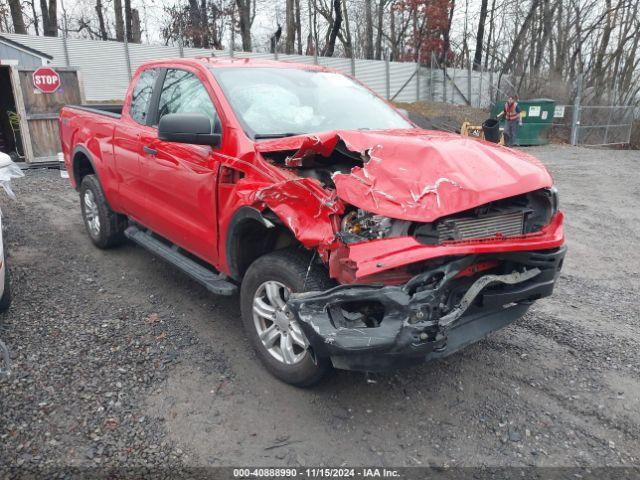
x: 505, y: 225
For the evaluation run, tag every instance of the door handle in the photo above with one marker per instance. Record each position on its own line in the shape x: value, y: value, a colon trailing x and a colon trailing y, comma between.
x: 149, y: 150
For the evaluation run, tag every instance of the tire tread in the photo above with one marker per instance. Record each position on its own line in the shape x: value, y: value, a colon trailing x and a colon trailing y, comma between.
x: 112, y: 224
x: 301, y: 265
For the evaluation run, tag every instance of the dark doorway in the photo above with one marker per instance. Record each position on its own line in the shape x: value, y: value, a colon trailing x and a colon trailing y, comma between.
x: 10, y: 140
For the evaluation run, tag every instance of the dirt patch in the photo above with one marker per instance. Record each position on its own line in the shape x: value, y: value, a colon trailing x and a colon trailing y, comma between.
x: 454, y: 114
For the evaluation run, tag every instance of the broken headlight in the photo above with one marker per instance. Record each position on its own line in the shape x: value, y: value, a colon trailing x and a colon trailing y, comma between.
x: 555, y: 201
x: 359, y: 225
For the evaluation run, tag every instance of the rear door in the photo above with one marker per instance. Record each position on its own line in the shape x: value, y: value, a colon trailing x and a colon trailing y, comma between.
x: 127, y: 148
x: 180, y: 179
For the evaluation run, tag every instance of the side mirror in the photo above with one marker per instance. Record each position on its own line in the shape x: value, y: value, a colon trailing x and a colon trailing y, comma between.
x: 192, y: 128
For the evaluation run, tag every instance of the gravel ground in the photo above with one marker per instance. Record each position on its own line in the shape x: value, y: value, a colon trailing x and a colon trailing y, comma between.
x: 119, y: 360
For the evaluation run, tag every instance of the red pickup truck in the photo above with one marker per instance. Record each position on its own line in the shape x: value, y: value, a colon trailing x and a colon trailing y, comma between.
x: 356, y: 239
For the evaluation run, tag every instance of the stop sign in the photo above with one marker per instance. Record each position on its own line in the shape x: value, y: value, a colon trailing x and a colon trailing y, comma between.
x: 46, y: 80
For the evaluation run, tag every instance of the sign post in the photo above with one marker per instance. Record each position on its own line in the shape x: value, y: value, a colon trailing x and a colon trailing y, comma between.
x: 46, y: 80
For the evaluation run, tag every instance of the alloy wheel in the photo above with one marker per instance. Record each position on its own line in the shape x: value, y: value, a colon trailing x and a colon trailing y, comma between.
x: 91, y: 214
x: 277, y: 329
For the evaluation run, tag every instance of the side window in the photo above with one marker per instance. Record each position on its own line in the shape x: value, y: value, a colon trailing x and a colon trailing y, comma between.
x: 141, y: 95
x: 183, y: 92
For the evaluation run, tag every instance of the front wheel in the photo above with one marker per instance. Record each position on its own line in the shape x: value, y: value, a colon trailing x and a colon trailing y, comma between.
x: 271, y: 327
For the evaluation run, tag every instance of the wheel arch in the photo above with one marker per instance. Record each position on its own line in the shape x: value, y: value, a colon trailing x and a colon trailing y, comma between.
x: 83, y: 165
x: 251, y: 234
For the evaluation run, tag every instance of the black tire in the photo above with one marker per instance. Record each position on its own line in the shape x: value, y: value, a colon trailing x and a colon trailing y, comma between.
x: 111, y: 226
x: 5, y: 300
x: 289, y: 267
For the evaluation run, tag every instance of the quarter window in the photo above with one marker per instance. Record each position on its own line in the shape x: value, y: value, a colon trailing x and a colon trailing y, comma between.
x: 141, y: 96
x: 183, y: 92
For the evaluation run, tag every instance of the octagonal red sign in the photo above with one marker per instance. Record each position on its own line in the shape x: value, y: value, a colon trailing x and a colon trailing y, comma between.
x: 46, y: 80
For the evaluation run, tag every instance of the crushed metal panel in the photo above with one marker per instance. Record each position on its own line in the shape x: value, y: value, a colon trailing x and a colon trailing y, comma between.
x: 300, y: 203
x: 419, y: 175
x: 373, y: 257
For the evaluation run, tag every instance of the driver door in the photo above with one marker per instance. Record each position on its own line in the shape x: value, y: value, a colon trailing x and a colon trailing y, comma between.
x: 180, y: 179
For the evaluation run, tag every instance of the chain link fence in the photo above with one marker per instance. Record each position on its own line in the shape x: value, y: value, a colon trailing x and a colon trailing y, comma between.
x: 604, y: 125
x: 562, y: 123
x: 600, y: 125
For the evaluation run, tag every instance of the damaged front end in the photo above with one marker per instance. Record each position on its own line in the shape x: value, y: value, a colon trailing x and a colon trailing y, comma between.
x: 436, y: 313
x: 436, y: 241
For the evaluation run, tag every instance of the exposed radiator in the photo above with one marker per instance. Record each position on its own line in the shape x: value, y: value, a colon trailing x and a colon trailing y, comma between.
x: 505, y: 225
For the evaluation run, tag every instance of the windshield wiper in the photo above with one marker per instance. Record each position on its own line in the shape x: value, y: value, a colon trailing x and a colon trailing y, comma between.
x: 258, y: 136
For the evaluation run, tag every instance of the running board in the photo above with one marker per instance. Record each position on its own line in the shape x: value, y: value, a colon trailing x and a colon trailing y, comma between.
x: 214, y: 282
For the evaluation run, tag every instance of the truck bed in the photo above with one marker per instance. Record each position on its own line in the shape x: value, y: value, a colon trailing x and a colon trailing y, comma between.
x: 109, y: 110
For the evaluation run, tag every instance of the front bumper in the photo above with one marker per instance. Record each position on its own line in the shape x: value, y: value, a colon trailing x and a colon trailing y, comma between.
x: 423, y: 319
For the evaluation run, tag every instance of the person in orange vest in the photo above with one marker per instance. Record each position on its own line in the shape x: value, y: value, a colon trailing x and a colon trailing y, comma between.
x: 511, y: 114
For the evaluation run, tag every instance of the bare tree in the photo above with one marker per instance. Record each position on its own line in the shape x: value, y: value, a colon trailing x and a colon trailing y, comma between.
x: 35, y: 21
x: 298, y: 26
x: 545, y: 34
x: 334, y: 29
x: 312, y: 36
x: 397, y: 31
x: 477, y: 58
x: 344, y: 34
x: 446, y: 35
x: 4, y: 17
x: 49, y: 17
x: 524, y: 28
x: 101, y: 24
x: 199, y: 25
x: 333, y: 15
x: 16, y: 17
x: 129, y: 21
x: 117, y: 8
x: 290, y: 28
x: 136, y: 30
x: 368, y: 30
x: 246, y: 14
x: 540, y: 46
x: 380, y: 28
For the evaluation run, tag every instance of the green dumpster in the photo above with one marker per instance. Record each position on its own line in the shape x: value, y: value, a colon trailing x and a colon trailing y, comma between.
x: 537, y: 117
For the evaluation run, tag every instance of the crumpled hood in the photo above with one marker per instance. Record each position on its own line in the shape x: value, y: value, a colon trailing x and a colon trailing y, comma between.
x: 421, y: 175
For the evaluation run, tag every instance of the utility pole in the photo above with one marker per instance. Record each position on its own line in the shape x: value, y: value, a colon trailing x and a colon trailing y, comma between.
x: 575, y: 123
x: 387, y: 75
x: 180, y: 38
x: 126, y: 50
x: 67, y: 60
x: 418, y: 78
x: 233, y: 32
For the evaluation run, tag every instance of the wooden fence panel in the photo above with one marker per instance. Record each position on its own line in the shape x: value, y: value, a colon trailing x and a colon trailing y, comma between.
x: 42, y: 110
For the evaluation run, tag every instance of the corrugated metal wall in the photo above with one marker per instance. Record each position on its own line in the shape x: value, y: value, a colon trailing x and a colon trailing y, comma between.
x: 105, y: 70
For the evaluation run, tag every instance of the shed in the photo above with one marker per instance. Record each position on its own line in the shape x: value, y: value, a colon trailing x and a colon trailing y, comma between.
x: 25, y: 56
x: 29, y: 109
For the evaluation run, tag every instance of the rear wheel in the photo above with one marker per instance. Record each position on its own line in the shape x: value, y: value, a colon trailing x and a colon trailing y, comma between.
x: 273, y: 331
x: 104, y: 226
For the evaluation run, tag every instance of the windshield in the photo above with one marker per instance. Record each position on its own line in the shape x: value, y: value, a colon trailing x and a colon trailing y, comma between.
x: 275, y: 102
